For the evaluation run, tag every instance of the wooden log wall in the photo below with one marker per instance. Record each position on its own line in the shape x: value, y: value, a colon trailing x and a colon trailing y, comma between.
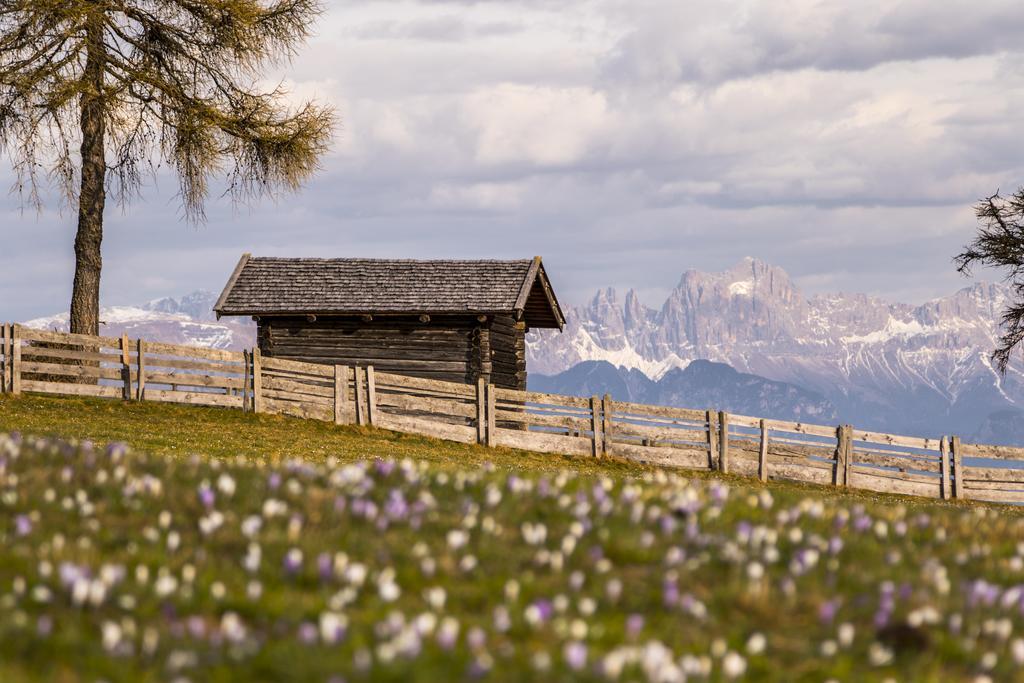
x: 508, y: 353
x: 481, y: 412
x: 443, y: 348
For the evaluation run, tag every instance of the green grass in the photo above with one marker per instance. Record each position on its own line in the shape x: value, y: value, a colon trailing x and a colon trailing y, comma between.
x: 638, y: 571
x: 176, y: 430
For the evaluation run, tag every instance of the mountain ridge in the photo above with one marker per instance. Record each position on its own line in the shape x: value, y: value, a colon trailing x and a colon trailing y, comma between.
x: 884, y: 365
x: 702, y: 383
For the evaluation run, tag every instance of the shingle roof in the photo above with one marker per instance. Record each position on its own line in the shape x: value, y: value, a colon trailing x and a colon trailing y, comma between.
x: 282, y: 286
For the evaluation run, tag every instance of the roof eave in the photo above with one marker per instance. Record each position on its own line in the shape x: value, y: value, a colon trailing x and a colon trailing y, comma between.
x: 549, y: 292
x: 537, y: 271
x: 218, y: 307
x: 369, y: 311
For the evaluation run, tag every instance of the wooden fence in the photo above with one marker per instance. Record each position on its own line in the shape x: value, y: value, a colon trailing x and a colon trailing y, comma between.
x: 67, y: 364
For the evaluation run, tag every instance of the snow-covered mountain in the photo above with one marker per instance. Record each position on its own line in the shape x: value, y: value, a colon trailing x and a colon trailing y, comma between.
x: 890, y: 366
x: 188, y: 320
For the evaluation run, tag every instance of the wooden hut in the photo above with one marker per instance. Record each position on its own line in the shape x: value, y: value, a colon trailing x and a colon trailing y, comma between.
x: 449, y: 320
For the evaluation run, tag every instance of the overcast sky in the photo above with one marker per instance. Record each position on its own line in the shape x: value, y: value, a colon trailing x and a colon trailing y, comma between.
x: 623, y: 140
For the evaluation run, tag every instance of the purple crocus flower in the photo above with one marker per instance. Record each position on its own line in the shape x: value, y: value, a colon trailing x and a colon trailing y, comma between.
x: 308, y: 633
x: 206, y: 496
x: 634, y: 624
x: 719, y: 493
x: 196, y: 627
x: 827, y: 611
x: 670, y: 594
x: 575, y: 655
x: 545, y: 609
x: 22, y: 525
x: 116, y: 450
x: 476, y: 638
x: 69, y: 573
x: 325, y: 566
x: 292, y: 561
x: 396, y: 507
x: 274, y: 481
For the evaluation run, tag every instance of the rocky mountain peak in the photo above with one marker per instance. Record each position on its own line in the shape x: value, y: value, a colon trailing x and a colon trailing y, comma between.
x: 885, y: 365
x: 634, y: 314
x: 197, y: 305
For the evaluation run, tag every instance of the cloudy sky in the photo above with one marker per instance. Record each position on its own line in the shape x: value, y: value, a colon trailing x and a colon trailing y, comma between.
x: 623, y: 140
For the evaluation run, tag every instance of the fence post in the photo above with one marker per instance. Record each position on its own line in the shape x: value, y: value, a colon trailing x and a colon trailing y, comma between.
x: 711, y: 417
x: 944, y: 468
x: 723, y: 442
x: 606, y: 424
x: 257, y: 381
x: 958, y: 470
x: 15, y: 360
x: 762, y: 454
x: 371, y: 396
x: 140, y: 368
x: 246, y: 380
x: 841, y: 473
x: 481, y: 410
x: 5, y: 352
x: 491, y: 406
x: 595, y: 427
x: 340, y: 393
x: 360, y: 397
x: 126, y: 369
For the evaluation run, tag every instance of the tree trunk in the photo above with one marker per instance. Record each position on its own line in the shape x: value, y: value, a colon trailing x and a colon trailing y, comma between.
x: 85, y: 295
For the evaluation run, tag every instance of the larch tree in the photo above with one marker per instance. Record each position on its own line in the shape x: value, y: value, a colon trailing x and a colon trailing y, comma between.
x: 1000, y: 244
x: 98, y: 94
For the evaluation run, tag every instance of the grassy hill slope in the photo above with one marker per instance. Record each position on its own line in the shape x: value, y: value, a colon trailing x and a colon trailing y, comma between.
x: 385, y: 557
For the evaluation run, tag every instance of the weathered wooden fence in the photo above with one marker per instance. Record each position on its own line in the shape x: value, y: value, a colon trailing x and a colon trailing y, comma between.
x: 67, y: 364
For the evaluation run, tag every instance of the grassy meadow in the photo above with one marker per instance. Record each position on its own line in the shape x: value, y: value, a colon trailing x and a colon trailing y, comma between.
x: 159, y: 543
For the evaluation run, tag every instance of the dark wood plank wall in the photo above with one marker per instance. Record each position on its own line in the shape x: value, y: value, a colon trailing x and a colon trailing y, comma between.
x: 508, y: 344
x: 450, y: 348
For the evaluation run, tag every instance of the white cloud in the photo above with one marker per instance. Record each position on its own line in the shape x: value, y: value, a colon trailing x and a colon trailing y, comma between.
x: 540, y: 126
x: 478, y: 196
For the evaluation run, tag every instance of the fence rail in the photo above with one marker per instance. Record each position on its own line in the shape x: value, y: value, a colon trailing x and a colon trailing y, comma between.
x: 117, y: 367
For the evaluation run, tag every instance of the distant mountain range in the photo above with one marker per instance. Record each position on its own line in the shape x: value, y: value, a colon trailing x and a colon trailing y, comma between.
x: 702, y: 384
x: 911, y: 369
x: 188, y: 320
x: 895, y: 367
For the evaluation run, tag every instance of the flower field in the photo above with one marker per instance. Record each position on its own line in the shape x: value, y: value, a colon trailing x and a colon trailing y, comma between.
x: 119, y: 566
